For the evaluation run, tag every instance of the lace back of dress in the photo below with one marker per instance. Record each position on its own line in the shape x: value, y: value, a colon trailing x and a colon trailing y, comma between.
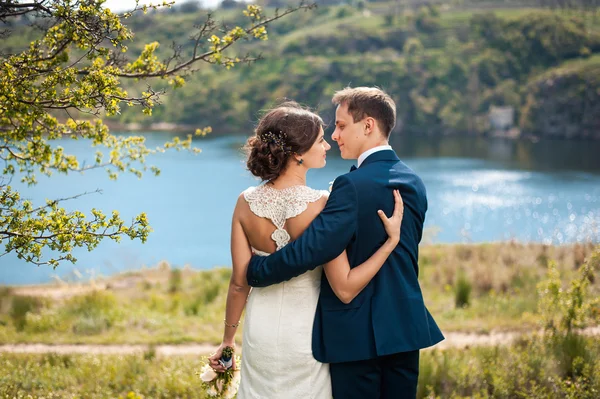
x: 280, y: 205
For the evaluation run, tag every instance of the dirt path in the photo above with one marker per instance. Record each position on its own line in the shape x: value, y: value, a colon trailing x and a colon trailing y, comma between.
x: 125, y: 349
x: 453, y: 340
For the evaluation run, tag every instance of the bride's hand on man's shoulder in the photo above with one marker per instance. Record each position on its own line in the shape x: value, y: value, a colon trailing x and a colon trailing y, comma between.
x: 393, y: 223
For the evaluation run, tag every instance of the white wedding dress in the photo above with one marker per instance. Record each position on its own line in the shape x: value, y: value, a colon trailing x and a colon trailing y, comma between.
x: 277, y: 360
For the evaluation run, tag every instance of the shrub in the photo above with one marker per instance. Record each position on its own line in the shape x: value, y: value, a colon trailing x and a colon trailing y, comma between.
x: 425, y: 21
x: 462, y: 290
x: 150, y: 353
x: 175, y: 281
x: 21, y: 305
x: 91, y: 325
x: 44, y: 321
x: 389, y: 19
x: 412, y: 46
x: 95, y: 312
x: 343, y: 12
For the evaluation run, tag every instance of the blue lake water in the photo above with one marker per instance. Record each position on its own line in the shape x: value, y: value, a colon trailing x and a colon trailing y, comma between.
x: 479, y: 190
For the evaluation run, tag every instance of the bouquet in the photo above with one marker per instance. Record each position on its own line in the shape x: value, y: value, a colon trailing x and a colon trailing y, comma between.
x: 222, y: 385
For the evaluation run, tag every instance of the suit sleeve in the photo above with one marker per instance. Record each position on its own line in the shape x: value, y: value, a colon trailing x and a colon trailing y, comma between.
x: 324, y: 240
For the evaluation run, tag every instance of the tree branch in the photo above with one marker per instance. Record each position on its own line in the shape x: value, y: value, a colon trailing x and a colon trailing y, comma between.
x: 5, y: 9
x: 207, y: 54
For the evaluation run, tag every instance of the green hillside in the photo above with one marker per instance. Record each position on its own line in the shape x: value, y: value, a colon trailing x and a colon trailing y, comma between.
x: 444, y: 64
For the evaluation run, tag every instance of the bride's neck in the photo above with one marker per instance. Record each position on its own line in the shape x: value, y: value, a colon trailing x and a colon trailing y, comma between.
x: 290, y: 177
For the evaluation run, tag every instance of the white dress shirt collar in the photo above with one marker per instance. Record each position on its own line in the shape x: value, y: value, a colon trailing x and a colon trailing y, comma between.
x: 373, y: 150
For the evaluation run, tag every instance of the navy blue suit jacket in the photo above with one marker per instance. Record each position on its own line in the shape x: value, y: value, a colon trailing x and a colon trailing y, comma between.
x: 389, y: 315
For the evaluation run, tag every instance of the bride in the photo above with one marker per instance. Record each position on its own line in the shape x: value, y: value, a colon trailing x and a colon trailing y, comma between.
x: 277, y: 358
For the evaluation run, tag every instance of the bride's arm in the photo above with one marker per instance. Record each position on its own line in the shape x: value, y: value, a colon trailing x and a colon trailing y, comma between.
x: 238, y: 286
x: 347, y: 283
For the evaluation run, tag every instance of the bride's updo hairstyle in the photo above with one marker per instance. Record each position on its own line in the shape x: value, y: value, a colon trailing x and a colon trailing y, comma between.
x: 283, y: 131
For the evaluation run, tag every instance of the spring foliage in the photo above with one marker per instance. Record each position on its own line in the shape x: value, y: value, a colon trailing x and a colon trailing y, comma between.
x: 58, y: 88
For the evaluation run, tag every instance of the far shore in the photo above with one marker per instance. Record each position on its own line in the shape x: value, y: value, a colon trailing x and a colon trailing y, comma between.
x: 173, y: 127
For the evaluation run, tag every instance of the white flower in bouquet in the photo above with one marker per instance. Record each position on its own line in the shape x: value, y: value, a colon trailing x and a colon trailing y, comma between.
x: 219, y: 385
x: 231, y: 391
x: 212, y: 392
x: 208, y: 374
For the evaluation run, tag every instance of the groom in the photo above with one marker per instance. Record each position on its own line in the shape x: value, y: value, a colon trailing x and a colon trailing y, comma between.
x: 372, y: 342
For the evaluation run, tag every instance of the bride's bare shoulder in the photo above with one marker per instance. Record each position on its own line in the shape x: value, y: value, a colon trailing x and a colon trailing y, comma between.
x: 242, y: 207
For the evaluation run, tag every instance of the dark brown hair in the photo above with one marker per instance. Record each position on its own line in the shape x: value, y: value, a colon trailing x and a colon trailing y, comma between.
x: 284, y: 130
x: 369, y: 101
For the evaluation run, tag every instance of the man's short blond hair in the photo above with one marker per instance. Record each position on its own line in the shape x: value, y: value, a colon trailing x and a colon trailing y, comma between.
x: 369, y: 101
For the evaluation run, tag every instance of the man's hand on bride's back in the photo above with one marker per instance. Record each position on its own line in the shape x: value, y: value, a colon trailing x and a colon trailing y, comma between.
x: 392, y: 224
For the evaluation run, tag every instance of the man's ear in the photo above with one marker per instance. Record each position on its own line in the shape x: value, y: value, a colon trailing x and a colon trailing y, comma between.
x: 369, y: 125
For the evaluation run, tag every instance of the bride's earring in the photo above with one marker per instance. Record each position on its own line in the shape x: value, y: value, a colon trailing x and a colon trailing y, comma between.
x: 300, y: 161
